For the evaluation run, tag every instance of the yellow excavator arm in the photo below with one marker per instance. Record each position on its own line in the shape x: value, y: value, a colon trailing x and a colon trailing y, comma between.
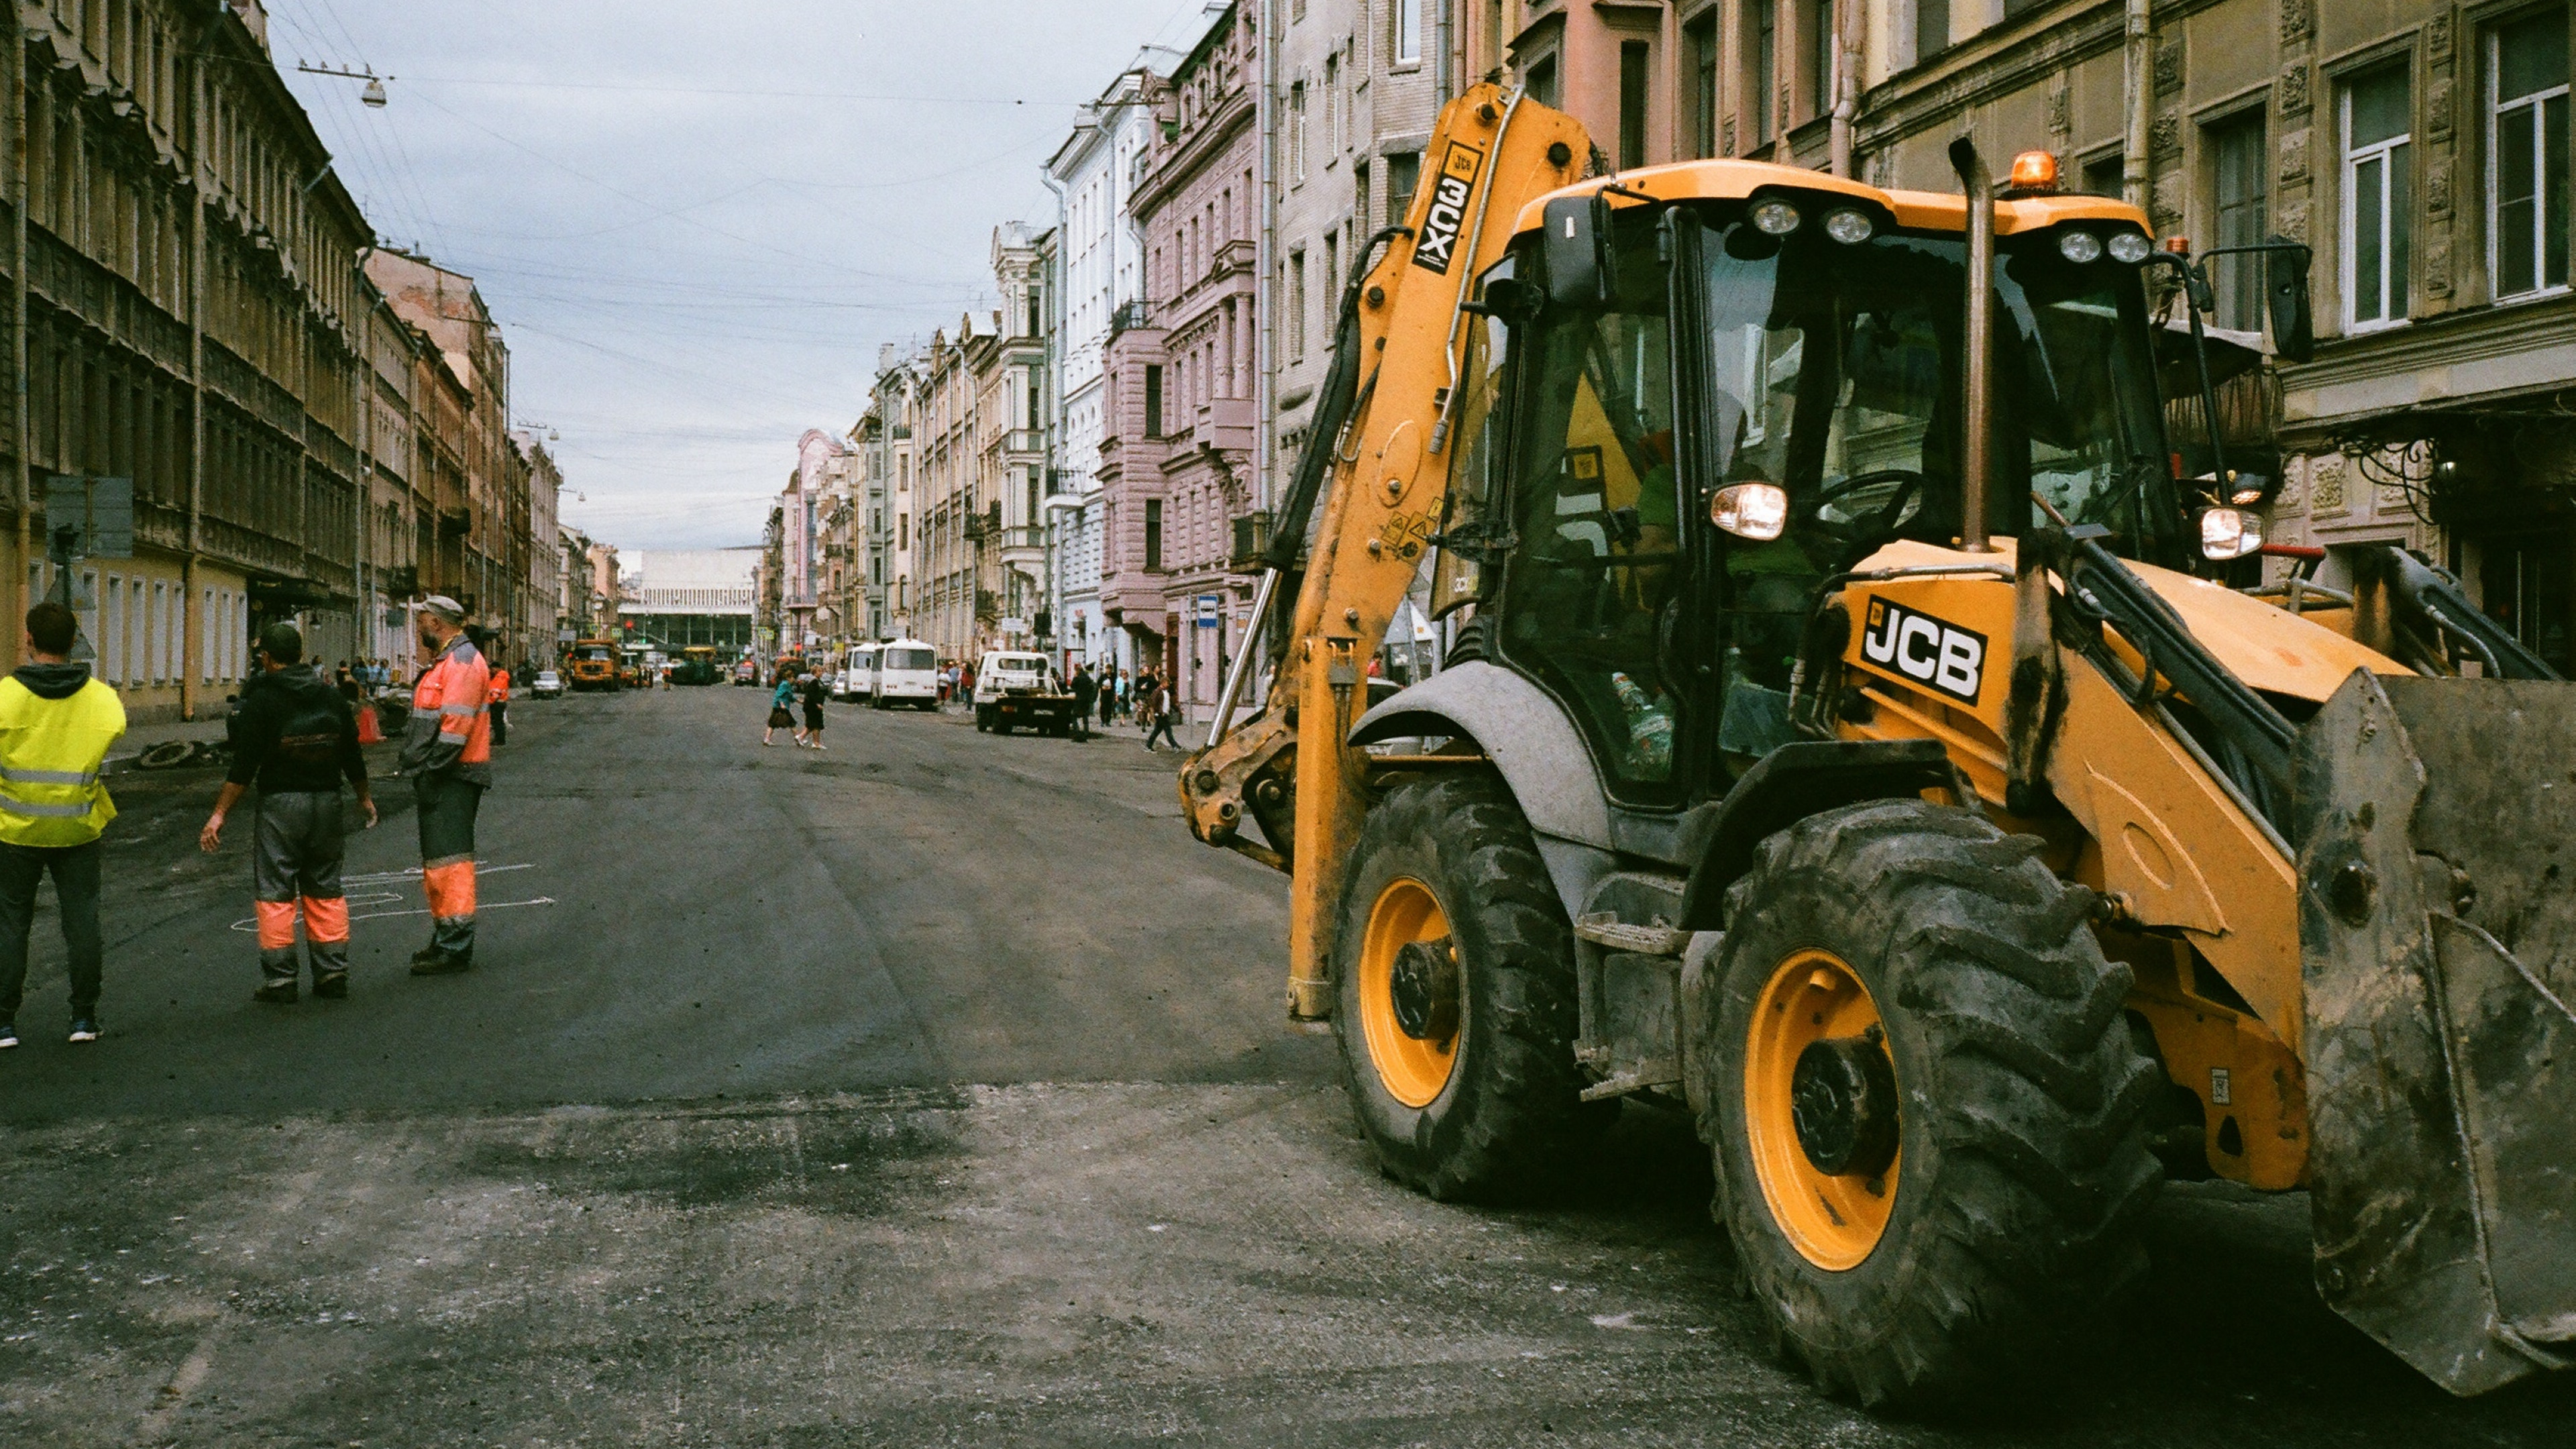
x: 1378, y: 459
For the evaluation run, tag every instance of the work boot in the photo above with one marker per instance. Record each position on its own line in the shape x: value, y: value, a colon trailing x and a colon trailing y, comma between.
x: 434, y: 962
x: 330, y: 985
x: 425, y: 955
x: 277, y: 993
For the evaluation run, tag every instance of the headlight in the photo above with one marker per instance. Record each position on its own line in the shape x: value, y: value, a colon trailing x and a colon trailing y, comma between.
x: 1758, y: 511
x: 1848, y: 226
x: 2227, y: 533
x: 2131, y: 247
x: 1775, y: 218
x: 2079, y: 247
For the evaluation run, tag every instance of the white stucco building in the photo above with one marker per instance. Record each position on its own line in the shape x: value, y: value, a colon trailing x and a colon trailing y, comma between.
x: 1101, y: 267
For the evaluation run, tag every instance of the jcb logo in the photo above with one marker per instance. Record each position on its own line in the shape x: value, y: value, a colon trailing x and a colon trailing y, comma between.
x: 1457, y: 181
x: 1927, y: 650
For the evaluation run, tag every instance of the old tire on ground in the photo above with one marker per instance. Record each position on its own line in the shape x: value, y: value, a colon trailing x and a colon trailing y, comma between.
x: 1915, y: 956
x: 1455, y: 1005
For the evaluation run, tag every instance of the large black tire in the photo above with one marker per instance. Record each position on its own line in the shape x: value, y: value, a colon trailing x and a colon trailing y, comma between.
x: 1509, y: 1119
x: 2022, y: 1164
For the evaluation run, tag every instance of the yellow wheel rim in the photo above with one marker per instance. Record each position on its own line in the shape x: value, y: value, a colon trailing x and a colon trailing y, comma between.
x: 1411, y: 1070
x: 1834, y: 1221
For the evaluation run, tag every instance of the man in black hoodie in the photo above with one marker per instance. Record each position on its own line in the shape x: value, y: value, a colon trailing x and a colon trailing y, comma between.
x: 296, y: 737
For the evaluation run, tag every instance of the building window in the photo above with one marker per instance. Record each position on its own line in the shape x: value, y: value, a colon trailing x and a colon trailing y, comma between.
x: 1297, y: 306
x: 2105, y: 175
x: 1297, y: 131
x: 1931, y: 28
x: 1332, y: 108
x: 2530, y: 589
x: 1153, y: 400
x: 1153, y: 533
x: 1818, y: 18
x: 2238, y: 164
x: 1699, y: 39
x: 2527, y: 154
x: 1333, y: 266
x: 1407, y: 15
x: 1542, y: 80
x: 1403, y: 173
x: 2377, y: 125
x: 1634, y: 66
x: 1761, y: 65
x: 1360, y: 191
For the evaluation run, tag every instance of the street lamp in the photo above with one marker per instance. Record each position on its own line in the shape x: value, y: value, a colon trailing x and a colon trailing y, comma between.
x: 373, y: 96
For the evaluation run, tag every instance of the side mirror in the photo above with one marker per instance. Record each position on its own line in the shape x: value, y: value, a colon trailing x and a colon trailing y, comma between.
x: 1582, y: 271
x: 2285, y: 284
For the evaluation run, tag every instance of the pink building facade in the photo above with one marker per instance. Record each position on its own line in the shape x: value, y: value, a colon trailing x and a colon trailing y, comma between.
x: 1176, y: 453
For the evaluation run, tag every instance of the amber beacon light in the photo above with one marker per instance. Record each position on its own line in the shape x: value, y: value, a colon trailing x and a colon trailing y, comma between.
x: 2034, y: 171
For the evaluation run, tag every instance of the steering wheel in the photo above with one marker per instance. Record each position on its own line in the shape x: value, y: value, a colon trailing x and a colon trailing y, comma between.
x: 1903, y: 488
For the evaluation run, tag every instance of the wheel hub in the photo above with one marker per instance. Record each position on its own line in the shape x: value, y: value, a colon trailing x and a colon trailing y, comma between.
x: 1423, y: 989
x: 1842, y: 1101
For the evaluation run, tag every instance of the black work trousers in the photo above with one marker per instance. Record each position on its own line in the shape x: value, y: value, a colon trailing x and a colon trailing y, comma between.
x: 75, y: 869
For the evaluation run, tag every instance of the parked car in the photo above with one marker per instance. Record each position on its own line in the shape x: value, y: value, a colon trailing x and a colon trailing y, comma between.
x: 548, y: 685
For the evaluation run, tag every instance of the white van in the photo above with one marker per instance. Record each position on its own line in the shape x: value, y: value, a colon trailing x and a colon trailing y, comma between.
x: 907, y: 673
x: 859, y: 672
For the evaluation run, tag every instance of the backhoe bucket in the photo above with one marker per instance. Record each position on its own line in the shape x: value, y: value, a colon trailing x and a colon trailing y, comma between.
x: 2437, y: 924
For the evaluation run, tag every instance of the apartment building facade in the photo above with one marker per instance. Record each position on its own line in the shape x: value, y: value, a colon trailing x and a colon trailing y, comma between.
x: 1177, y: 446
x: 186, y: 313
x: 1101, y: 271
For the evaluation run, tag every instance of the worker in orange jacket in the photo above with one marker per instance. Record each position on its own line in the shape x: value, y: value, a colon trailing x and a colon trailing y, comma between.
x: 447, y: 752
x: 487, y: 644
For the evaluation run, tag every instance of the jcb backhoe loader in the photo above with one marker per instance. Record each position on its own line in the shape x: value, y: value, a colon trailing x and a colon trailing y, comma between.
x: 1858, y: 739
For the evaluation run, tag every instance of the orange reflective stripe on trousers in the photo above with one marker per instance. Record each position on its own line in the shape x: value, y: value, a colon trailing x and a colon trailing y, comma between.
x: 450, y: 888
x: 277, y: 925
x: 326, y: 921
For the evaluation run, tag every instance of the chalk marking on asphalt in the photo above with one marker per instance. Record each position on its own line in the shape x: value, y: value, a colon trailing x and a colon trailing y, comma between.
x: 483, y: 906
x: 414, y: 874
x: 250, y: 924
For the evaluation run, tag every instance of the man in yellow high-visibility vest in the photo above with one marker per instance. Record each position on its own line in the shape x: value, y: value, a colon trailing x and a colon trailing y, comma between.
x: 56, y: 724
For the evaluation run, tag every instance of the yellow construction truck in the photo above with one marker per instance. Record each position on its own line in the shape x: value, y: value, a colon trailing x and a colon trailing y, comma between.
x: 1866, y: 736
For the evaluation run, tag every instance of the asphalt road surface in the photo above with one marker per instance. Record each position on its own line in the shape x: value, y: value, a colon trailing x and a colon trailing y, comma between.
x: 929, y: 1090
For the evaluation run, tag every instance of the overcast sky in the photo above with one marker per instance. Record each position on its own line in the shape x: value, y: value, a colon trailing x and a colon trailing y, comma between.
x: 697, y: 221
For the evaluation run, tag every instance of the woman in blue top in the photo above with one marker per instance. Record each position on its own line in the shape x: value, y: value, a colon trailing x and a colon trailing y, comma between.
x: 782, y: 706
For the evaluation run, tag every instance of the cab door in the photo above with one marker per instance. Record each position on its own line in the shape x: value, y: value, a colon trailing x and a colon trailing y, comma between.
x: 1595, y: 603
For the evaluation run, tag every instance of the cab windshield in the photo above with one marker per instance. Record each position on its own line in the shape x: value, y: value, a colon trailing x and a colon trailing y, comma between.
x: 1721, y: 355
x: 1835, y: 372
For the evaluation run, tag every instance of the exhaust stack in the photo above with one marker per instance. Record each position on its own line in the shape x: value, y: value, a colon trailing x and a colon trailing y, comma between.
x: 1978, y: 186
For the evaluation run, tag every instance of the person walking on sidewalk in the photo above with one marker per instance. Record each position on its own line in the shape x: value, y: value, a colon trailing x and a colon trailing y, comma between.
x: 296, y: 738
x: 815, y: 692
x: 1086, y: 693
x: 56, y: 724
x: 447, y: 752
x: 1158, y: 713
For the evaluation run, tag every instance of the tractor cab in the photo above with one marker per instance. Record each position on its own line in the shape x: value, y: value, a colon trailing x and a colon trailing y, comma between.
x: 1698, y: 395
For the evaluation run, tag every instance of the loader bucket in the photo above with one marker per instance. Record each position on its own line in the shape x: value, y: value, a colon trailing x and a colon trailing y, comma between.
x: 2437, y: 926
